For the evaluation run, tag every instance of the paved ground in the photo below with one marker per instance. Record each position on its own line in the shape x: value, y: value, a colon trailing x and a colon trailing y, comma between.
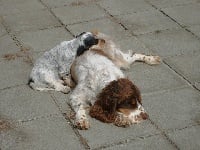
x: 171, y: 91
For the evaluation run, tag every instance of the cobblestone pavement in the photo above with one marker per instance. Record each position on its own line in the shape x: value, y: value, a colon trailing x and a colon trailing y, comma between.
x: 32, y: 120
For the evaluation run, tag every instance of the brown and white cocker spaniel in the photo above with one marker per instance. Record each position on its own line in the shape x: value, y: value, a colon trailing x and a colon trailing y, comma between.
x: 104, y: 88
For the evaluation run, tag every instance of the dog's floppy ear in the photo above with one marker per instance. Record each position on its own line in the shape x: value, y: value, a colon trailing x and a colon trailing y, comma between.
x: 105, y: 107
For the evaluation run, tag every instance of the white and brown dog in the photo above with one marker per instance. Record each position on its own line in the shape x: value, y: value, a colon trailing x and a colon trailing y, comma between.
x: 102, y: 86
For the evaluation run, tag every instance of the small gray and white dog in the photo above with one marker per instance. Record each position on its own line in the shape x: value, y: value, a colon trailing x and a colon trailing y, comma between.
x: 52, y: 70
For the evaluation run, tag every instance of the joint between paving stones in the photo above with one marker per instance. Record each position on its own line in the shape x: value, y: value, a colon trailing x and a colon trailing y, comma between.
x: 164, y: 135
x: 180, y: 75
x: 49, y: 9
x: 13, y: 36
x: 126, y: 141
x: 174, y: 20
x: 81, y: 139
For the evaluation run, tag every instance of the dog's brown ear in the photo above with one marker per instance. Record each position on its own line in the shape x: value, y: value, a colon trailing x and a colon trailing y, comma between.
x: 105, y: 107
x: 98, y: 112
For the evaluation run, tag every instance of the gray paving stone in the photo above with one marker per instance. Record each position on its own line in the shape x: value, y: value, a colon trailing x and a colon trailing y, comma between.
x: 184, y: 15
x: 23, y: 103
x: 51, y: 133
x: 14, y: 72
x: 17, y: 6
x: 2, y: 29
x: 133, y: 44
x: 31, y: 21
x: 154, y: 78
x: 148, y: 21
x: 195, y: 29
x: 104, y: 134
x: 197, y: 85
x: 77, y: 14
x: 171, y: 42
x: 150, y: 143
x: 187, y: 138
x: 188, y: 66
x: 59, y: 3
x: 167, y: 3
x: 62, y: 101
x: 117, y: 7
x: 106, y: 26
x: 7, y: 46
x: 42, y: 40
x: 173, y: 109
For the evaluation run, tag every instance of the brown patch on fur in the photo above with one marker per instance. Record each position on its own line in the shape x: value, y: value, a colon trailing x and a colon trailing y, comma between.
x: 117, y: 94
x: 125, y: 111
x: 72, y: 72
x: 95, y: 32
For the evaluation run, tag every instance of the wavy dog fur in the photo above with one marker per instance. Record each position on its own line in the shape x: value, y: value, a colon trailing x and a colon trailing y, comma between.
x: 102, y: 85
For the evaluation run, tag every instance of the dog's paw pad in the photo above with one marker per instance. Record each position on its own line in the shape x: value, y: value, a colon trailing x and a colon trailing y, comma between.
x: 82, y: 124
x: 121, y: 121
x: 66, y: 89
x: 153, y: 60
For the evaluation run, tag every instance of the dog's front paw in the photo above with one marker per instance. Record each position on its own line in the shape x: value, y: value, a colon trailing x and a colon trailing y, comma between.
x: 153, y: 60
x: 122, y: 121
x: 82, y: 123
x: 65, y: 89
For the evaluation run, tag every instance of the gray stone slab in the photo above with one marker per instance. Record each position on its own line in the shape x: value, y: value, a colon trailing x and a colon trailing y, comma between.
x: 148, y: 21
x: 167, y: 3
x: 118, y: 7
x: 197, y: 85
x: 106, y: 26
x: 151, y: 143
x: 171, y: 42
x: 184, y: 15
x: 14, y: 72
x: 7, y: 46
x: 59, y: 3
x: 52, y: 133
x: 62, y: 101
x: 187, y: 138
x: 42, y: 40
x: 2, y: 29
x: 17, y: 6
x: 40, y: 19
x: 105, y: 134
x: 23, y: 103
x: 76, y: 14
x: 188, y: 66
x: 195, y: 29
x: 154, y: 78
x: 133, y: 44
x: 173, y: 109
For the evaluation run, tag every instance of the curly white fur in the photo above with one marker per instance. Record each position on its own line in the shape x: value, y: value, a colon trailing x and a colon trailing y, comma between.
x: 95, y: 69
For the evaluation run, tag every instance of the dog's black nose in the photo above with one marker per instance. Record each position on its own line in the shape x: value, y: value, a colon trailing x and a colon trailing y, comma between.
x: 90, y: 41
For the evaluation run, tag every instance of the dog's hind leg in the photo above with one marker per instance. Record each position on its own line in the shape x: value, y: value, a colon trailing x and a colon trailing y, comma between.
x: 151, y: 60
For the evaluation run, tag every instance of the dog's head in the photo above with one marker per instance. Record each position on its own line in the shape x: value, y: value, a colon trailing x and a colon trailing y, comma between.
x: 86, y: 40
x: 119, y: 98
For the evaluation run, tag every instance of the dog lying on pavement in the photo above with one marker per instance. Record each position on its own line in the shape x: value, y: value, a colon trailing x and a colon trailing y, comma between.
x: 103, y: 87
x: 52, y: 70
